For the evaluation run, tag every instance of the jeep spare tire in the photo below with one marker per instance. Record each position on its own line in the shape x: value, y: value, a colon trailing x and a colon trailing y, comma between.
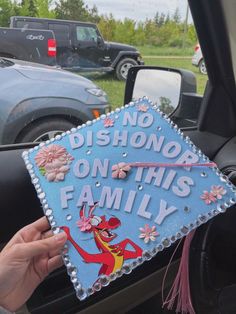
x: 123, y: 67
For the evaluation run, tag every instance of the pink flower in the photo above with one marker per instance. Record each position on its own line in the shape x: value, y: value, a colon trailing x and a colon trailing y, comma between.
x: 84, y: 224
x: 142, y: 108
x: 218, y: 191
x: 50, y: 153
x: 108, y: 122
x: 66, y: 159
x: 120, y: 170
x: 148, y: 233
x: 55, y: 171
x: 208, y: 197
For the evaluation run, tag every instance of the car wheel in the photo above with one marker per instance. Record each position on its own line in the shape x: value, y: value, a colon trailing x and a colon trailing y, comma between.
x: 202, y: 67
x: 41, y: 131
x: 123, y: 67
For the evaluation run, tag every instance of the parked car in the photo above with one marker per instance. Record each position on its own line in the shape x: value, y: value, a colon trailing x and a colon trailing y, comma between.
x: 28, y: 44
x: 198, y: 60
x: 213, y: 250
x: 38, y: 102
x: 80, y: 46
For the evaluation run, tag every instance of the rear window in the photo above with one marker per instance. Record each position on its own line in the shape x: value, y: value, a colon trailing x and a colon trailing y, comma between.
x: 29, y: 24
x: 61, y: 31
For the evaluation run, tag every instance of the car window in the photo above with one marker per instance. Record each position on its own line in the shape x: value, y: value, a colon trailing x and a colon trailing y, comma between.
x: 61, y: 31
x: 84, y: 33
x: 29, y: 24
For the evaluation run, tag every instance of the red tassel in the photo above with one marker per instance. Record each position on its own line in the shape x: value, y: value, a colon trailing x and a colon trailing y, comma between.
x: 179, y: 293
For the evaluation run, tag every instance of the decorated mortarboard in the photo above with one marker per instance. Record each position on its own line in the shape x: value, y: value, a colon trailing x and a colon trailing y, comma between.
x: 123, y: 187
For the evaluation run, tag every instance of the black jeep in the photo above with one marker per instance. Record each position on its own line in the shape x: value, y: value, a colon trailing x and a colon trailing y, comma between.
x: 80, y: 46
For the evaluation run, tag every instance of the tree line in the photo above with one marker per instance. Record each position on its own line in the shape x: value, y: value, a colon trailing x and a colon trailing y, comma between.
x: 164, y: 30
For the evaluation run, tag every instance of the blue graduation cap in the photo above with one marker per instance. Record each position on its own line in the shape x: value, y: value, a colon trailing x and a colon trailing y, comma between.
x: 123, y: 187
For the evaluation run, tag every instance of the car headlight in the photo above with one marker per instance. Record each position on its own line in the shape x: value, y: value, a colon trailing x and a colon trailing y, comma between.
x: 96, y: 92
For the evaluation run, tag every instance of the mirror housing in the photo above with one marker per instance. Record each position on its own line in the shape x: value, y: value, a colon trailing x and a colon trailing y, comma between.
x: 185, y: 112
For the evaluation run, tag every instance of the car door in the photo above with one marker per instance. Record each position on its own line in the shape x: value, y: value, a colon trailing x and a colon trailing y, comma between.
x: 88, y: 46
x: 64, y: 44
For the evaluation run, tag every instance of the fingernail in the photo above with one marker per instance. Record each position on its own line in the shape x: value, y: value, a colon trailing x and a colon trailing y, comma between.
x: 60, y: 237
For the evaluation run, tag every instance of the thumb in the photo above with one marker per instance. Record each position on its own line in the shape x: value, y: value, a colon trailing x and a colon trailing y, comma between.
x: 38, y: 247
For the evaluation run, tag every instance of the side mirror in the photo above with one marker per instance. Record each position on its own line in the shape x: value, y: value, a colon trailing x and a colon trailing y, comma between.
x: 173, y: 90
x: 99, y: 41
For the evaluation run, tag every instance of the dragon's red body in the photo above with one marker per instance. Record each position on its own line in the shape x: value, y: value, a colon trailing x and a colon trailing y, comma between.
x: 111, y: 257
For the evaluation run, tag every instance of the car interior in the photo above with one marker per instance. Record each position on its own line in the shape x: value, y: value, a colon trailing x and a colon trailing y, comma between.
x: 213, y: 250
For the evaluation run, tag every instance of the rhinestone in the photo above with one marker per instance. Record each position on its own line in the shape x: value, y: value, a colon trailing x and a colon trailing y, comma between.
x: 104, y: 281
x: 42, y: 195
x: 29, y: 166
x: 178, y: 235
x: 232, y: 200
x: 35, y: 180
x: 158, y: 128
x: 89, y: 122
x: 58, y: 137
x: 81, y: 294
x: 73, y: 130
x: 88, y: 152
x: 221, y: 208
x: 124, y: 154
x: 184, y: 230
x: 186, y: 209
x: 203, y: 174
x: 154, y: 251
x: 139, y: 260
x: 74, y: 280
x: 118, y: 273
x: 166, y: 242
x: 90, y: 291
x: 173, y: 239
x: 50, y: 218
x: 147, y: 255
x: 55, y: 230
x: 77, y: 285
x: 202, y: 218
x: 113, y: 276
x: 97, y: 184
x: 160, y: 247
x: 68, y: 217
x: 134, y: 264
x: 224, y: 178
x: 48, y: 212
x: 126, y: 269
x: 140, y: 187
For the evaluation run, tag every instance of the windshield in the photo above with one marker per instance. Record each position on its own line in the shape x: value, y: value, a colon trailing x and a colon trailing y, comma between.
x: 142, y: 33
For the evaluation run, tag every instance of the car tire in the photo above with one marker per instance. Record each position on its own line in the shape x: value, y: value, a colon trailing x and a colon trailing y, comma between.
x: 202, y: 67
x: 123, y: 66
x: 43, y: 130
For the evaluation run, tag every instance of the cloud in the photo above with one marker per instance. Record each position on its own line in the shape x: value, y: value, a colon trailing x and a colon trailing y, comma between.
x: 138, y: 9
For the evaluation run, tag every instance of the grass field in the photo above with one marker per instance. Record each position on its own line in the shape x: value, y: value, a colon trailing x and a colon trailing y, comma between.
x: 115, y: 89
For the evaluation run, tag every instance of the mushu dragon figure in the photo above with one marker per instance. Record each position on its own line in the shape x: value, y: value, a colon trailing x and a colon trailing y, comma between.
x: 111, y: 257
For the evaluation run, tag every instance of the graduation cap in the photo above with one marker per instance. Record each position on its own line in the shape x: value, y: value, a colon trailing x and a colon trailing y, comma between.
x: 124, y: 187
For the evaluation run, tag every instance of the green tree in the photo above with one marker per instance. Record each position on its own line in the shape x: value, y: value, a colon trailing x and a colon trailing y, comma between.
x: 44, y: 9
x: 72, y: 10
x: 176, y: 18
x: 5, y: 12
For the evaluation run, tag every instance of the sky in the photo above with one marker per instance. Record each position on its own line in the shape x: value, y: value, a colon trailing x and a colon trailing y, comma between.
x: 138, y: 10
